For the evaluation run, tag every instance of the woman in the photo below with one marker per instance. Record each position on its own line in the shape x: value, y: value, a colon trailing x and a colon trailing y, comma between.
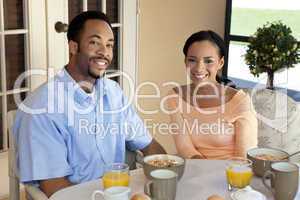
x: 214, y: 121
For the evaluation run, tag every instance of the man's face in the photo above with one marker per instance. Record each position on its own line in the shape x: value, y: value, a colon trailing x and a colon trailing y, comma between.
x: 95, y: 50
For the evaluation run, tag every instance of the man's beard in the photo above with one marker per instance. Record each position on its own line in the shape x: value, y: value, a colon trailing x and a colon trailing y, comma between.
x: 95, y: 76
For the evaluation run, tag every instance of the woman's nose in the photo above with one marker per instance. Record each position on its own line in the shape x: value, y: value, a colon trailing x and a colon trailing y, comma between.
x: 200, y: 66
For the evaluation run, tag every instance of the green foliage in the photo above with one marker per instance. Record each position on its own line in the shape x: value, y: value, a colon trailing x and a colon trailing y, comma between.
x: 272, y: 48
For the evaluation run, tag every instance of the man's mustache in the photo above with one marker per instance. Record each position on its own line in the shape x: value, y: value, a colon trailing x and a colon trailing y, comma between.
x: 101, y: 57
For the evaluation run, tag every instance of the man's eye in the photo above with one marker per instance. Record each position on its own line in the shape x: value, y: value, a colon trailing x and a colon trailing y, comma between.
x: 93, y: 42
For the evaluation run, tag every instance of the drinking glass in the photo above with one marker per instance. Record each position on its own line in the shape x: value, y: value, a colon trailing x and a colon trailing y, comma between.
x: 239, y: 173
x: 117, y: 174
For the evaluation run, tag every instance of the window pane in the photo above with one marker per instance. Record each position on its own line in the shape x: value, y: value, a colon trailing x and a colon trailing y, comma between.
x: 255, y: 13
x: 237, y: 67
x: 112, y: 10
x: 239, y: 72
x: 94, y: 5
x: 13, y: 100
x: 115, y: 62
x: 75, y: 7
x: 15, y: 59
x: 13, y: 14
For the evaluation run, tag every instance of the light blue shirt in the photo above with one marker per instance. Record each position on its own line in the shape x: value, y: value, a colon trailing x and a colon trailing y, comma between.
x: 61, y: 131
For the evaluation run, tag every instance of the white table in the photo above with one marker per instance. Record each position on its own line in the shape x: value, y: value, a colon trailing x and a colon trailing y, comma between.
x: 201, y: 179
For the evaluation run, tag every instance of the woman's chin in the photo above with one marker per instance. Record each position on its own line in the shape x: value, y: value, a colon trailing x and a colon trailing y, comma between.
x: 197, y: 81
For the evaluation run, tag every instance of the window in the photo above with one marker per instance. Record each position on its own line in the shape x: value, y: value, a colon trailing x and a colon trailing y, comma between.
x: 14, y: 58
x: 243, y: 17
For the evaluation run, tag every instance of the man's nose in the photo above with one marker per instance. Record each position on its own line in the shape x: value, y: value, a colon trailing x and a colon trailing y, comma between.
x: 102, y: 50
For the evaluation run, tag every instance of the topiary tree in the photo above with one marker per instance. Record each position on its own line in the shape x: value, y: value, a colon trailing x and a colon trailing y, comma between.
x: 270, y: 49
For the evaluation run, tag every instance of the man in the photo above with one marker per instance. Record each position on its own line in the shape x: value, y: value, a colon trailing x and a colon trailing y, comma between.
x: 87, y: 124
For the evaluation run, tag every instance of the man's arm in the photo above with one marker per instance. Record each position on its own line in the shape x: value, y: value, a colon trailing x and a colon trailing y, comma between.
x: 153, y: 148
x: 50, y: 186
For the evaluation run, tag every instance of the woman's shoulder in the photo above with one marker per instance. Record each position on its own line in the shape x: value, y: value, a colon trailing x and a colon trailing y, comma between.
x: 233, y: 94
x: 230, y: 92
x: 177, y: 94
x: 240, y: 101
x: 178, y: 89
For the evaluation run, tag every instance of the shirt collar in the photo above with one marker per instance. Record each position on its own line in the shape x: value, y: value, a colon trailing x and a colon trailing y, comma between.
x: 79, y: 94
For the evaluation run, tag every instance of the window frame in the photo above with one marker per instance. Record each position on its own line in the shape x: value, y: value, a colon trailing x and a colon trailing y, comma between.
x: 244, y: 39
x: 229, y: 37
x: 5, y: 92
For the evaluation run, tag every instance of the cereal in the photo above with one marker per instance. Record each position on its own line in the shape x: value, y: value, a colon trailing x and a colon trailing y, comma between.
x: 162, y: 163
x: 269, y: 157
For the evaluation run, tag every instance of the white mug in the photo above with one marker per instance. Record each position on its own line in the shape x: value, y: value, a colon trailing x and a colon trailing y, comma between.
x: 113, y: 193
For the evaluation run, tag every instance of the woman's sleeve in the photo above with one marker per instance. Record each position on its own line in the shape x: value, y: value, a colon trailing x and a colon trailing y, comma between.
x: 181, y: 135
x: 245, y: 126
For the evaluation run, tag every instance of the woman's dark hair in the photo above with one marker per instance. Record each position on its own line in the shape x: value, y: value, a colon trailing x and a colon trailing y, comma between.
x: 77, y: 24
x: 205, y: 36
x: 216, y: 40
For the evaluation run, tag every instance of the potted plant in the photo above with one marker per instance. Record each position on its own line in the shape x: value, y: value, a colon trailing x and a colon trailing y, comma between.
x: 270, y: 49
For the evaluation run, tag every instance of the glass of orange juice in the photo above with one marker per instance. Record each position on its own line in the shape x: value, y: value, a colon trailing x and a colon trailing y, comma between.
x: 117, y: 174
x: 239, y: 173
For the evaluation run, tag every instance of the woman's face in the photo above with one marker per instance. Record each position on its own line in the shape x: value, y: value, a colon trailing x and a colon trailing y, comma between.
x: 203, y: 62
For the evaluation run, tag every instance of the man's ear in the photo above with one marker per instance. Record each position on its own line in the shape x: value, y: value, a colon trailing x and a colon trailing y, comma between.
x: 73, y: 47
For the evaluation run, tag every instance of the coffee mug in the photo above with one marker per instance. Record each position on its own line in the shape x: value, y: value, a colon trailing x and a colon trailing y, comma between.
x: 113, y: 193
x: 284, y: 180
x: 163, y: 185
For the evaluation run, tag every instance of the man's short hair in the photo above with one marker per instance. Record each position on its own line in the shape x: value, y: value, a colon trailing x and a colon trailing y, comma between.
x: 77, y: 24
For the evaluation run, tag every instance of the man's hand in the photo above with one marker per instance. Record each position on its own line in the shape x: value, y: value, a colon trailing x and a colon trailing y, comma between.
x: 50, y: 186
x: 153, y: 148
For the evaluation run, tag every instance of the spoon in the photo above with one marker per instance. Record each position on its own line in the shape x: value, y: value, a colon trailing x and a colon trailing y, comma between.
x: 288, y: 156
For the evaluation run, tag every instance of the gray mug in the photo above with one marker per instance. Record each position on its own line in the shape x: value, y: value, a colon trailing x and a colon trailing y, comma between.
x: 284, y: 180
x: 163, y: 185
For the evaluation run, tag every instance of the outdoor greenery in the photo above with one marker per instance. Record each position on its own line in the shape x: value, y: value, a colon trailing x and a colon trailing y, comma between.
x: 245, y: 21
x: 271, y: 48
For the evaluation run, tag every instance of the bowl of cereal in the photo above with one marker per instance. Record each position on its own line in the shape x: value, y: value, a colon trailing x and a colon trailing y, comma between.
x: 262, y: 159
x: 163, y: 161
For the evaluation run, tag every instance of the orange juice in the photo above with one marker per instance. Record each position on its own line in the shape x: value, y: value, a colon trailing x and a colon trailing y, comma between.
x: 239, y: 177
x: 115, y: 179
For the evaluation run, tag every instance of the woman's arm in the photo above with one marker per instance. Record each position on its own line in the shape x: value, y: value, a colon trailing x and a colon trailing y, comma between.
x: 182, y: 138
x: 185, y: 146
x: 245, y: 133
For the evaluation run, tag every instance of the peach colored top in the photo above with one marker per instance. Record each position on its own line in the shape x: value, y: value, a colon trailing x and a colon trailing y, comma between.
x: 216, y: 132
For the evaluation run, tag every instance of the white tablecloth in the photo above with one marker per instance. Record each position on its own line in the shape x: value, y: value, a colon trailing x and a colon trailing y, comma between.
x: 201, y: 179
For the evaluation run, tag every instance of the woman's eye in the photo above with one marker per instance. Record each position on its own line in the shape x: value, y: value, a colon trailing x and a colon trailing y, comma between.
x: 208, y: 61
x: 191, y: 60
x: 110, y: 46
